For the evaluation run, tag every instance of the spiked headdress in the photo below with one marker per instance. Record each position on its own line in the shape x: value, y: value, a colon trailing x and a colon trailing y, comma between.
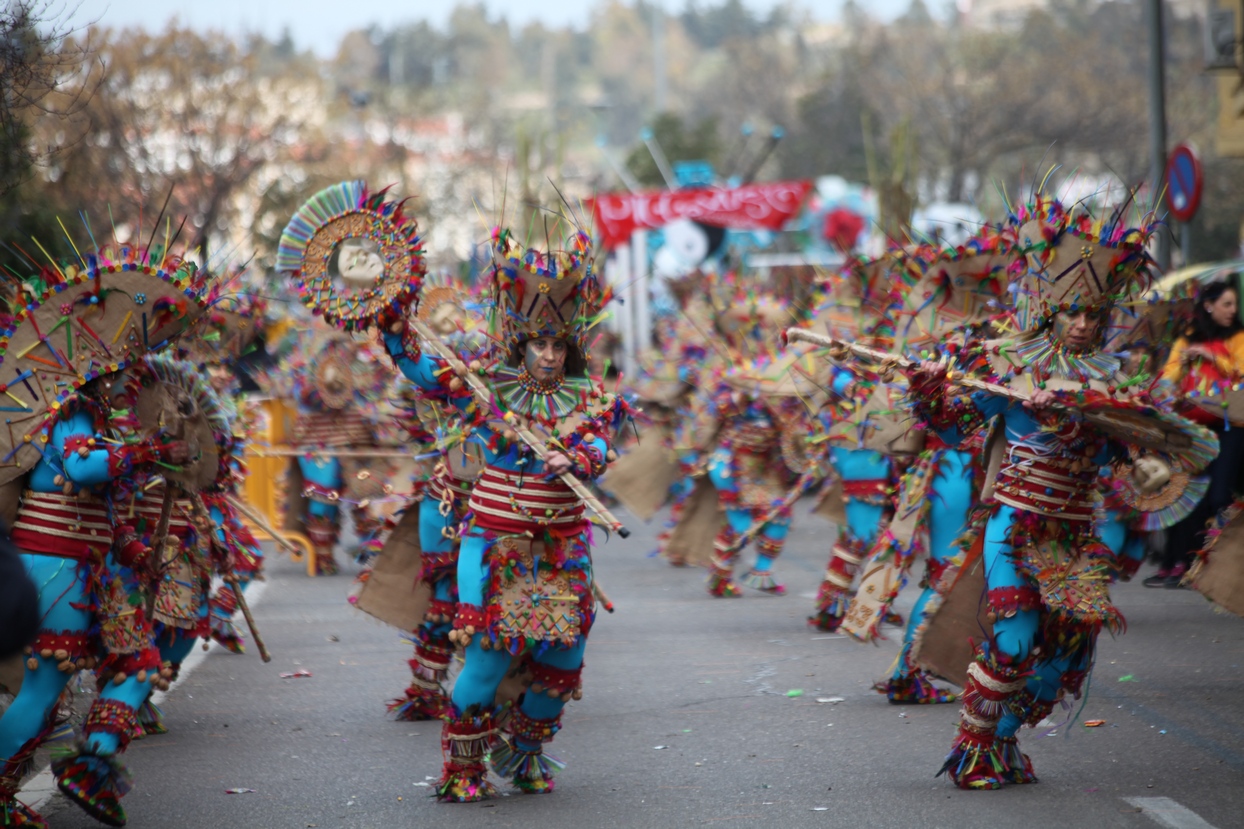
x: 553, y: 293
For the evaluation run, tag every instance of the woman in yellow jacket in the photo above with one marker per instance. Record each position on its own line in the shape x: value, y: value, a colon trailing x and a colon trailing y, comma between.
x: 1207, y: 359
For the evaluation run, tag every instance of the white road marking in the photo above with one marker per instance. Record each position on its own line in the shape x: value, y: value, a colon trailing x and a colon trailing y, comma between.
x: 1169, y: 814
x: 40, y: 788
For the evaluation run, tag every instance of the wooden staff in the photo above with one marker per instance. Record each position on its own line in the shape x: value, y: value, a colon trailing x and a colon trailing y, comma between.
x: 1101, y: 419
x: 887, y: 358
x: 231, y: 579
x: 262, y: 523
x: 328, y: 453
x: 481, y: 392
x: 601, y: 597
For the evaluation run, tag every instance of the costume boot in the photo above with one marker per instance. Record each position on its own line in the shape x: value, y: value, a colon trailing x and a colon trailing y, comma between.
x: 14, y: 813
x: 97, y: 782
x: 466, y: 740
x: 835, y: 593
x: 521, y: 757
x: 915, y: 688
x: 425, y: 698
x: 975, y: 760
x: 721, y: 575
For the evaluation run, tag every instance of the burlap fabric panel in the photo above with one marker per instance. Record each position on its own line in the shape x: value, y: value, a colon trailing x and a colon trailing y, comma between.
x: 394, y: 593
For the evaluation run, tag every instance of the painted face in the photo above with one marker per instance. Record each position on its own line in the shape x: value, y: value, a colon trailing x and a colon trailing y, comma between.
x: 220, y: 377
x: 545, y: 358
x: 1222, y: 310
x: 1077, y: 330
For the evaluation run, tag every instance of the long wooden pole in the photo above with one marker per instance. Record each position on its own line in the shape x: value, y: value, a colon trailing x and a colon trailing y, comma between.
x: 480, y: 390
x: 158, y: 539
x: 1101, y: 419
x: 231, y: 579
x: 890, y: 359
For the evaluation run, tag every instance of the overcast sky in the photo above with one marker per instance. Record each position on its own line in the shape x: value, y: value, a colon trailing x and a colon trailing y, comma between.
x: 319, y: 24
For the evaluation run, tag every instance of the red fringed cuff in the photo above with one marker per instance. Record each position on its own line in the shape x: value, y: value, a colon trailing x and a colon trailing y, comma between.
x: 75, y: 644
x: 1009, y: 600
x: 225, y: 602
x: 440, y: 610
x: 112, y: 716
x: 532, y: 730
x: 471, y: 616
x: 869, y: 491
x: 555, y: 682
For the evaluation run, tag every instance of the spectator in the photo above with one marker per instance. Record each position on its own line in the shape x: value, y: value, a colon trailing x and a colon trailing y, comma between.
x: 1210, y: 355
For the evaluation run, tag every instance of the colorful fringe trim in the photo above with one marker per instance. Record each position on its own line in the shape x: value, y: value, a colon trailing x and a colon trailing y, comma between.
x: 151, y: 719
x: 764, y: 580
x: 531, y: 772
x: 975, y: 760
x: 420, y: 703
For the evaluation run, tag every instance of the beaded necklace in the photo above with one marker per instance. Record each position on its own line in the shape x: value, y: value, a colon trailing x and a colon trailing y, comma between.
x: 523, y: 394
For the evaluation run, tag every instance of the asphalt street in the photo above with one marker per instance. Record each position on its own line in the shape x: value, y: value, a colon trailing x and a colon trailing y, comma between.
x: 697, y: 712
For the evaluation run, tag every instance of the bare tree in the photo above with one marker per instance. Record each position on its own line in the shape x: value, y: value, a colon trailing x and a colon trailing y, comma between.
x: 37, y: 58
x: 185, y: 117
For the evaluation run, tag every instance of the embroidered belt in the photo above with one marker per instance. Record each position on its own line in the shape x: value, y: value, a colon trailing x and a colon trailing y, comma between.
x: 1046, y: 485
x: 503, y: 500
x: 70, y: 526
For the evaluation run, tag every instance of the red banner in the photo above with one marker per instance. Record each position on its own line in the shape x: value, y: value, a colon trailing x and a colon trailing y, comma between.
x: 751, y: 207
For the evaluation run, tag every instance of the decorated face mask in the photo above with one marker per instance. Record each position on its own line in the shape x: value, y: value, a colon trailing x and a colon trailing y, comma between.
x: 358, y: 261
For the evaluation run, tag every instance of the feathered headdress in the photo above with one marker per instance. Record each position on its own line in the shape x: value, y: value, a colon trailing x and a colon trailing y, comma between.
x: 1074, y: 262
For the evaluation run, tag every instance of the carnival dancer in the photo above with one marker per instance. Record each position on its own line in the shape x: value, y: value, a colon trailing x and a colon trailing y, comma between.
x: 856, y: 306
x: 524, y: 567
x: 1047, y: 571
x: 328, y: 419
x: 747, y: 465
x: 125, y: 301
x: 947, y: 293
x: 216, y: 345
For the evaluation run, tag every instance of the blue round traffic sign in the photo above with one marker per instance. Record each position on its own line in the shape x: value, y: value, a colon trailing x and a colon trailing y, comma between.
x: 1183, y: 182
